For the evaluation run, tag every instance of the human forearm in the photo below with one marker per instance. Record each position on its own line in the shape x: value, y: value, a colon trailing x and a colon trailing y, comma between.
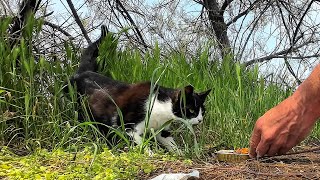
x: 307, y: 96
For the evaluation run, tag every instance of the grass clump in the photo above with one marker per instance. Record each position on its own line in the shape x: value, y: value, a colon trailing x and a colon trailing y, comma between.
x: 238, y: 98
x: 34, y: 111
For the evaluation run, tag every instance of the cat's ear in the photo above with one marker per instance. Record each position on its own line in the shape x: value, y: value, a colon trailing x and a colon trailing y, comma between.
x: 204, y: 94
x: 188, y: 89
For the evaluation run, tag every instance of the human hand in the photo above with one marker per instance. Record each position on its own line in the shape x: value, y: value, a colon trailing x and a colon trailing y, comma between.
x: 281, y: 128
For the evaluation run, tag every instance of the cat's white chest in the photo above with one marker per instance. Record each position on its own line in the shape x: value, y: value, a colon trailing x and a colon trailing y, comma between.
x: 161, y: 112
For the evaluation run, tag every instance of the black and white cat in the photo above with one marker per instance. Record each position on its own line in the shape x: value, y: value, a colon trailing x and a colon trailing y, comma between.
x: 105, y: 95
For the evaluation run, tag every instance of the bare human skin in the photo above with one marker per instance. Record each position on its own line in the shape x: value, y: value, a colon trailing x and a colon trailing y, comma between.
x: 290, y: 122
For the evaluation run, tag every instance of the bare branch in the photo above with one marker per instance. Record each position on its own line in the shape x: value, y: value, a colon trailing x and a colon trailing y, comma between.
x: 255, y: 23
x: 78, y: 21
x: 245, y: 12
x: 275, y: 55
x: 291, y: 71
x: 300, y: 22
x: 126, y: 14
x: 48, y: 14
x: 199, y: 2
x: 6, y: 7
x: 295, y: 36
x: 26, y: 7
x: 224, y: 6
x: 54, y: 26
x: 297, y: 57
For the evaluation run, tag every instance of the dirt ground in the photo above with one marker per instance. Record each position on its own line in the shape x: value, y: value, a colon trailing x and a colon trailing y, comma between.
x: 296, y: 166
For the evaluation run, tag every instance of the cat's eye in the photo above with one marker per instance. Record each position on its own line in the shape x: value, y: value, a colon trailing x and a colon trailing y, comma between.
x: 191, y: 111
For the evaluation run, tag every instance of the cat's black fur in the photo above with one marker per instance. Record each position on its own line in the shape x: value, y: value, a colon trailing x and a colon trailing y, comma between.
x: 105, y: 95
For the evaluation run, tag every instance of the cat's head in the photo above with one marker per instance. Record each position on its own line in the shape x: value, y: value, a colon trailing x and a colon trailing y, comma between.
x: 190, y: 105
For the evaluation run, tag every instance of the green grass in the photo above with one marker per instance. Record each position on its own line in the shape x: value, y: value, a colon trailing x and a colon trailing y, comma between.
x: 238, y: 98
x: 35, y: 113
x: 84, y: 164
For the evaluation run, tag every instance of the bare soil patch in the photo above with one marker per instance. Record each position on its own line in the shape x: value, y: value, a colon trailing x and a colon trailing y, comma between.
x: 296, y: 166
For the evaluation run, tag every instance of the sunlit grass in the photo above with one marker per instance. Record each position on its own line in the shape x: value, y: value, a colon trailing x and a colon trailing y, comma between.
x: 238, y: 98
x: 36, y: 113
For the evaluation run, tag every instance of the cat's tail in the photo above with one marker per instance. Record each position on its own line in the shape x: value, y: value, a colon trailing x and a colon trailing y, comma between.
x: 90, y: 54
x: 88, y: 59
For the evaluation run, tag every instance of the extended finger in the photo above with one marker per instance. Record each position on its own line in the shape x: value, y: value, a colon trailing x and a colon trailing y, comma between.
x: 254, y: 141
x: 262, y: 148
